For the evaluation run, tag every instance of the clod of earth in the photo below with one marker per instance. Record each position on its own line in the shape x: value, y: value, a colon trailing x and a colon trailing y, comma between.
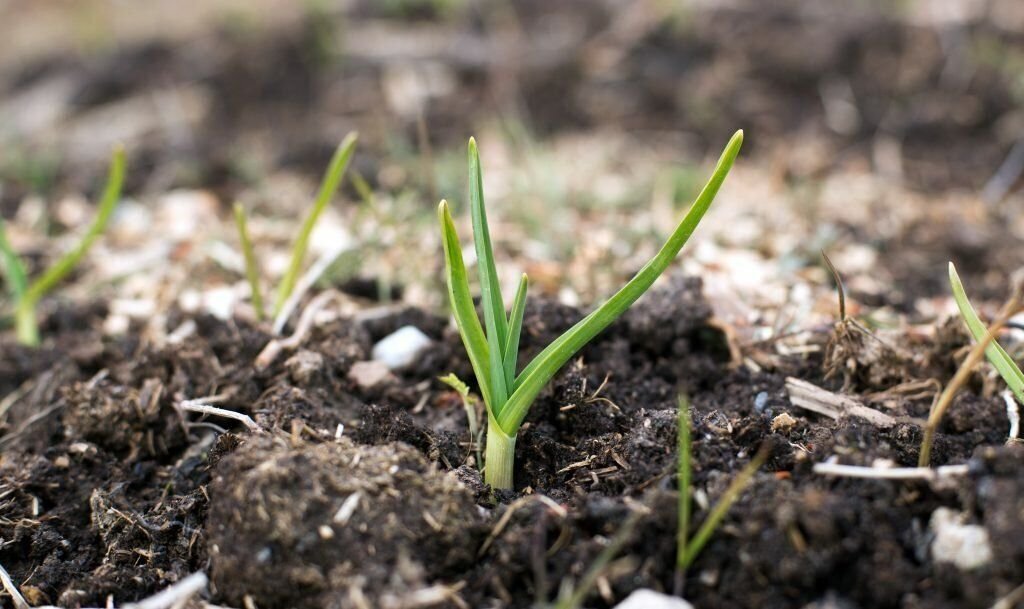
x: 329, y: 524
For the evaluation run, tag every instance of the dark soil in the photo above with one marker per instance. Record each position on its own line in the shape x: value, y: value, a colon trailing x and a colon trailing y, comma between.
x: 109, y: 489
x: 352, y: 495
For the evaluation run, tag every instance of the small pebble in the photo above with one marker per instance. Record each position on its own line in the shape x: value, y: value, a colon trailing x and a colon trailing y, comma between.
x: 760, y: 401
x: 964, y: 545
x: 369, y: 374
x: 649, y: 599
x: 400, y: 348
x: 783, y: 423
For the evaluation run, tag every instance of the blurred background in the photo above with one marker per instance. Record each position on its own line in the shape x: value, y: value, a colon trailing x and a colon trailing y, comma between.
x: 887, y: 133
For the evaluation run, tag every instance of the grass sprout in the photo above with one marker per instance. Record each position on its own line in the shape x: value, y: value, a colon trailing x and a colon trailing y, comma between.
x: 252, y: 272
x: 985, y: 345
x: 493, y: 346
x: 687, y: 547
x: 995, y: 353
x: 328, y: 186
x: 25, y: 294
x: 331, y: 181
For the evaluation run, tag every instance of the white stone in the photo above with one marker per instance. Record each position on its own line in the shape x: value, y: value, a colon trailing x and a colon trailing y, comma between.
x: 400, y: 348
x: 649, y: 599
x: 964, y: 545
x: 369, y: 374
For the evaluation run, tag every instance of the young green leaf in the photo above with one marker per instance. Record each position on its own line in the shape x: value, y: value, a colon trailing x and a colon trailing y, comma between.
x: 14, y: 270
x: 252, y: 273
x: 462, y: 303
x: 515, y: 327
x: 684, y: 470
x: 111, y: 195
x: 332, y: 178
x: 551, y: 359
x: 26, y: 326
x: 721, y: 507
x: 1000, y: 359
x: 495, y: 322
x: 469, y: 404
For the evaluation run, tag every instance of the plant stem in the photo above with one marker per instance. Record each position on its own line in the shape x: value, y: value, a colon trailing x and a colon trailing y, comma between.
x: 25, y: 322
x: 500, y: 457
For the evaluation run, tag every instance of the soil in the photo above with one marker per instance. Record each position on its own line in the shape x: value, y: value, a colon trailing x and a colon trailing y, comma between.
x: 113, y: 490
x: 349, y: 494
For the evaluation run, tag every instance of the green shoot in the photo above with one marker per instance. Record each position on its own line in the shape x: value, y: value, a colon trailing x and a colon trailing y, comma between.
x: 493, y: 346
x: 469, y: 403
x: 332, y: 178
x: 985, y: 345
x: 688, y: 548
x: 720, y: 509
x: 25, y: 295
x: 1000, y: 359
x: 14, y: 270
x: 685, y: 472
x: 252, y: 273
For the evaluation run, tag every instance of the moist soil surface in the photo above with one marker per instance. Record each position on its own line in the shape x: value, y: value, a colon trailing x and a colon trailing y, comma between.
x: 348, y: 487
x: 344, y: 494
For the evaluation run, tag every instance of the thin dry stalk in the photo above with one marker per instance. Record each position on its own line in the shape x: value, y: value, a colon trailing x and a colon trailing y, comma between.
x: 200, y: 407
x: 10, y: 588
x: 890, y: 473
x: 1013, y: 414
x: 302, y: 329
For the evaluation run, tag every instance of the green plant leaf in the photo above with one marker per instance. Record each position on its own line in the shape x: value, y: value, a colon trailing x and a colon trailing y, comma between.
x: 462, y: 303
x: 252, y: 273
x: 684, y: 470
x: 490, y: 291
x: 332, y: 178
x: 14, y: 270
x: 551, y: 359
x: 995, y: 353
x: 515, y: 327
x: 721, y: 507
x: 111, y: 195
x: 455, y: 383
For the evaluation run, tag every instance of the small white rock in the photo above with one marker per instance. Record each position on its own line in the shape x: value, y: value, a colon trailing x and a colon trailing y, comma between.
x: 400, y: 348
x: 369, y: 374
x: 649, y: 599
x: 964, y: 545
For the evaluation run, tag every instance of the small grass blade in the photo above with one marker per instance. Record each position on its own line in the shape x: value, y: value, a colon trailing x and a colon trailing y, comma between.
x: 111, y: 195
x: 515, y: 327
x: 721, y: 507
x: 252, y: 273
x: 462, y: 303
x: 14, y: 270
x: 332, y: 178
x: 1000, y: 359
x: 551, y: 359
x: 26, y: 325
x: 684, y: 470
x: 495, y: 321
